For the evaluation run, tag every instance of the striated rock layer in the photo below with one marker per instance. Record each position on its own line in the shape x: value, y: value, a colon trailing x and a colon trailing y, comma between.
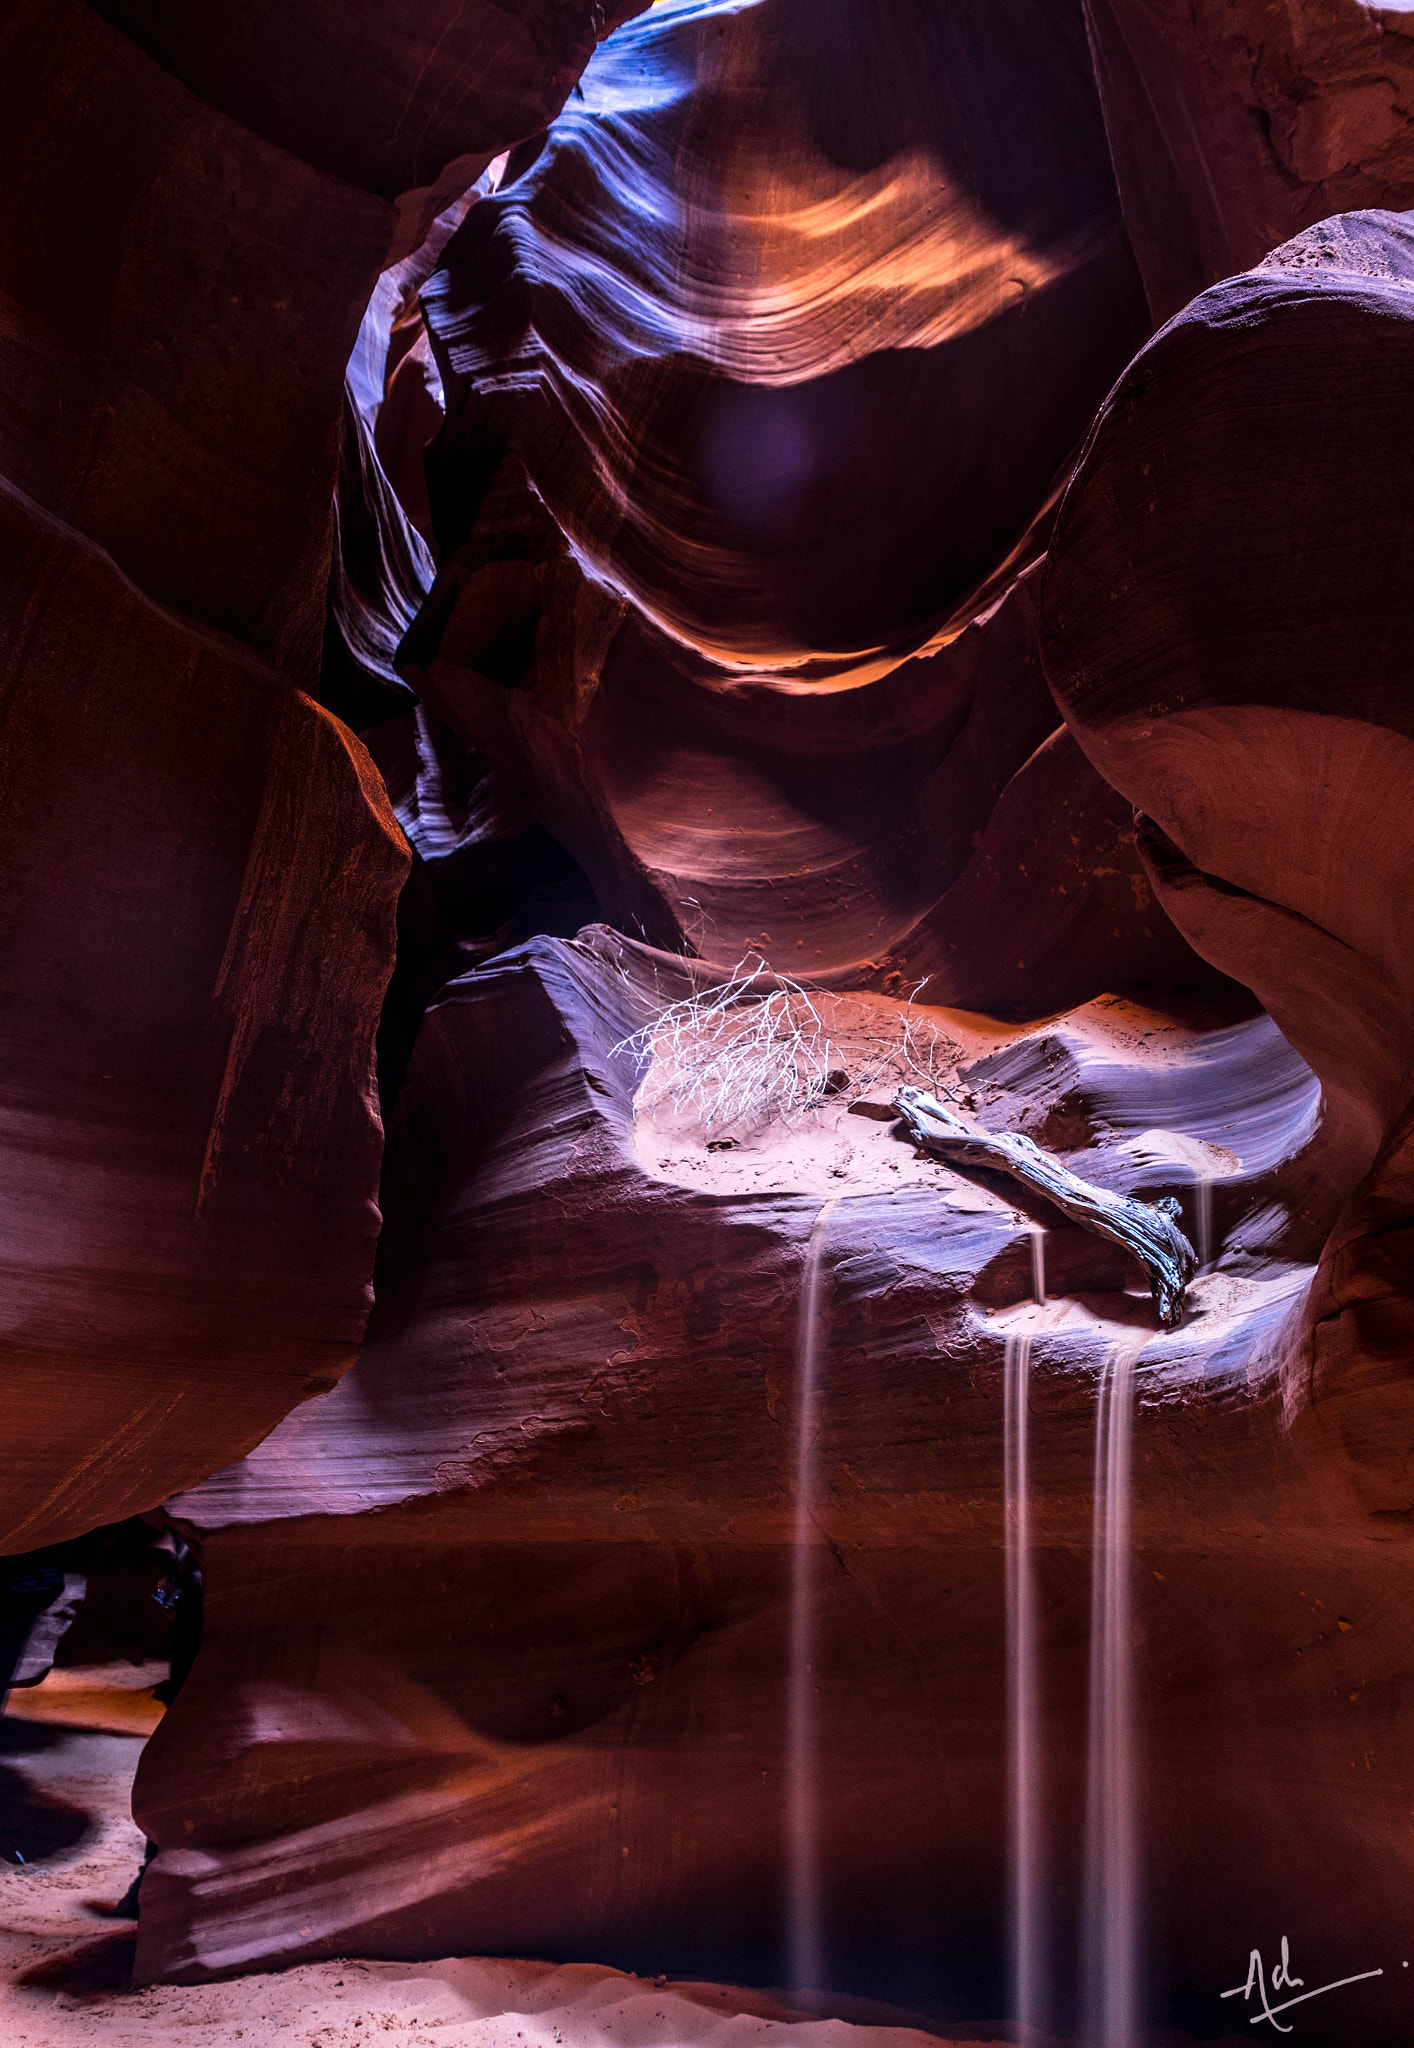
x: 758, y: 393
x: 1244, y: 681
x: 753, y: 388
x: 190, y: 1141
x: 498, y: 1628
x: 1232, y: 126
x: 202, y: 866
x: 736, y: 316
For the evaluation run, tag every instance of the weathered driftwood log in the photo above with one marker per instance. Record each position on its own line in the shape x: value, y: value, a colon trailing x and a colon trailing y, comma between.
x: 1146, y: 1229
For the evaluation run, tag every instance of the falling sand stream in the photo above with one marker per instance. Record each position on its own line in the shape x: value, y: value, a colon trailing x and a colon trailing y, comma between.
x: 1111, y: 1957
x: 1110, y: 1981
x: 1025, y: 1933
x: 1203, y: 1218
x: 805, y: 1945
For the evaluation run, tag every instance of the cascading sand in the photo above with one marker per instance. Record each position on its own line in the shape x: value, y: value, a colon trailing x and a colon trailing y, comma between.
x: 1025, y: 1931
x: 1111, y: 1830
x: 805, y: 1945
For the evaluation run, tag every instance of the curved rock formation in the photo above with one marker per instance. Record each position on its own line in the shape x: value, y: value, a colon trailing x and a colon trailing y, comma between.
x: 1233, y: 127
x: 190, y: 1146
x: 407, y: 100
x: 715, y: 563
x: 695, y: 355
x: 201, y: 864
x: 928, y: 826
x: 1229, y: 642
x: 732, y: 315
x: 560, y: 1479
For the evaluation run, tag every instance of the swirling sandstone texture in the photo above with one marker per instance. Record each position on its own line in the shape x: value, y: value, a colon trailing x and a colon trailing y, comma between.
x: 704, y: 563
x: 1234, y: 126
x: 758, y: 391
x: 1228, y: 608
x: 728, y: 286
x: 201, y: 867
x: 497, y: 1630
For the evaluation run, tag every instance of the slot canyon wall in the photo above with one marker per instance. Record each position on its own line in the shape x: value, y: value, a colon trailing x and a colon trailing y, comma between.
x: 202, y: 868
x: 512, y: 510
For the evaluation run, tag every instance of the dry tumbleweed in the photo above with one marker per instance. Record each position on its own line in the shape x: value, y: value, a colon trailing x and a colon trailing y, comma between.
x: 756, y: 1047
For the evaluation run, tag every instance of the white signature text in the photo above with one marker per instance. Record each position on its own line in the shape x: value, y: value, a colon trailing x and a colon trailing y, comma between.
x: 1283, y: 1980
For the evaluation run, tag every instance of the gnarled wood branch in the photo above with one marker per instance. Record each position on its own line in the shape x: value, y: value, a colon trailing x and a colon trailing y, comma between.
x: 1146, y: 1229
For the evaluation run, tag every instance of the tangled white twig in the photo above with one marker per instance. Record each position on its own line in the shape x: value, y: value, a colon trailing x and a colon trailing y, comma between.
x: 741, y: 1054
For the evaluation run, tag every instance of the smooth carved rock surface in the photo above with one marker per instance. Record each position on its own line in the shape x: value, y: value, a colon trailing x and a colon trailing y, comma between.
x: 929, y: 824
x: 734, y: 319
x: 679, y: 398
x: 174, y: 392
x: 380, y: 571
x: 199, y: 915
x: 1244, y: 681
x: 570, y: 1440
x: 172, y: 389
x: 752, y: 393
x: 201, y: 873
x: 1077, y: 1099
x: 398, y: 97
x: 381, y: 568
x: 1233, y: 127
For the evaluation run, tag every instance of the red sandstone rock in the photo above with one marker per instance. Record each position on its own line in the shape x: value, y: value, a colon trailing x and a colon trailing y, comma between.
x: 409, y: 417
x: 730, y: 530
x: 171, y: 388
x: 517, y: 1679
x: 201, y: 870
x: 1227, y: 618
x: 379, y: 574
x: 402, y: 98
x: 660, y: 668
x: 760, y: 341
x: 1233, y: 126
x: 925, y: 823
x: 203, y: 867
